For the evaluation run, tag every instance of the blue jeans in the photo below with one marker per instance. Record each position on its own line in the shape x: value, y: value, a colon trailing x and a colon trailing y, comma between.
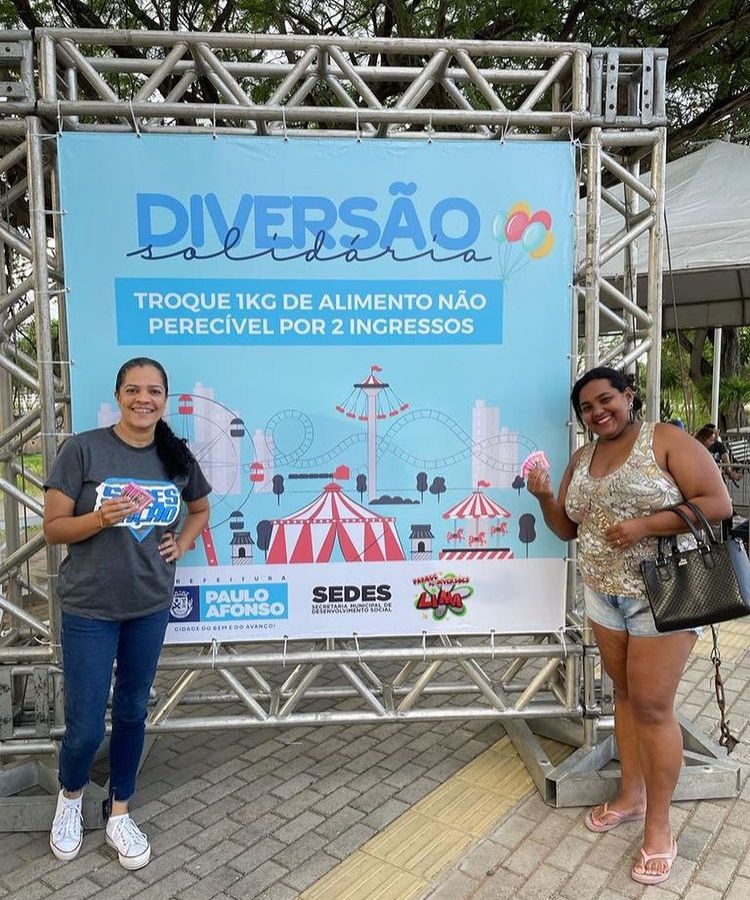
x: 90, y: 647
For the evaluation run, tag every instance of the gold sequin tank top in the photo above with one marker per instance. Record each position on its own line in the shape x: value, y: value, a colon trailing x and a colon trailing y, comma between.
x: 637, y: 488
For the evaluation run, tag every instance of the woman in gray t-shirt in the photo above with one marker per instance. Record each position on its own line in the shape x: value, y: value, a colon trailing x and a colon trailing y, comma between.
x: 114, y: 496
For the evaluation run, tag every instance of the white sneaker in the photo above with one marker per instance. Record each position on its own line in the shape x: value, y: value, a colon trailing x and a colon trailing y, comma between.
x: 133, y: 848
x: 66, y: 835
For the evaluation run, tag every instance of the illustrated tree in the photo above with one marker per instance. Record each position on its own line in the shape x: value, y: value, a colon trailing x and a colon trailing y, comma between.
x: 437, y: 487
x: 263, y: 540
x: 277, y: 483
x: 361, y: 485
x: 526, y: 530
x: 519, y: 484
x: 421, y: 484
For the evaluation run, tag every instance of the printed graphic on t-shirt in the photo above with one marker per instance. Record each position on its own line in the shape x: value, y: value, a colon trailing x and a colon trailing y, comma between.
x: 163, y: 509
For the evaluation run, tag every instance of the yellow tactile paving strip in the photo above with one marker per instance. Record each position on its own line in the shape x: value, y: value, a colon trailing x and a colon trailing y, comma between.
x: 362, y: 875
x: 402, y: 861
x: 734, y: 640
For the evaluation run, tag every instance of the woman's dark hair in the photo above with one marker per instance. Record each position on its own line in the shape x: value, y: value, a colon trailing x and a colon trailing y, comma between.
x: 620, y: 381
x: 171, y: 450
x: 708, y: 430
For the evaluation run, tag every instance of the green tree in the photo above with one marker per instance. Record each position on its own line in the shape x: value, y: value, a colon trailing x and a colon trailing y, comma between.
x: 734, y: 393
x: 708, y: 74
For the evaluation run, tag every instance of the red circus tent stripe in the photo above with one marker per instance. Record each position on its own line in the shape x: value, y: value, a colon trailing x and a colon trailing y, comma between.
x: 477, y: 506
x: 326, y: 549
x: 303, y: 547
x: 312, y: 533
x: 373, y: 552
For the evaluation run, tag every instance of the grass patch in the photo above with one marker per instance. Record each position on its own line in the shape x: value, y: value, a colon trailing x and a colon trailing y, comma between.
x: 33, y: 462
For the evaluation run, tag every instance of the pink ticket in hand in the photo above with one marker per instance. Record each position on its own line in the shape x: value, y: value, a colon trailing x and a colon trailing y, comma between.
x: 536, y: 460
x: 138, y: 495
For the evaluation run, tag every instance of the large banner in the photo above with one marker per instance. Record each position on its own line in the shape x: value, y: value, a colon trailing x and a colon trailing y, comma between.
x: 368, y: 344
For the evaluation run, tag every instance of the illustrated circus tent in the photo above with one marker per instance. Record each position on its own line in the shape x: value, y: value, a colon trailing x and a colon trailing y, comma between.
x: 312, y: 533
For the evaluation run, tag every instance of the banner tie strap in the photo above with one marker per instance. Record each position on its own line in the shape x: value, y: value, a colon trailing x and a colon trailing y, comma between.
x: 506, y: 126
x: 135, y: 120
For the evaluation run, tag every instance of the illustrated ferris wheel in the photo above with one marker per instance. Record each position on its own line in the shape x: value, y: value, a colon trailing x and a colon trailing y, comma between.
x: 219, y: 440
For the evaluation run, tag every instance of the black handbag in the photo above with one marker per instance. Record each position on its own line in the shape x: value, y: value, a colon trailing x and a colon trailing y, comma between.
x: 703, y: 585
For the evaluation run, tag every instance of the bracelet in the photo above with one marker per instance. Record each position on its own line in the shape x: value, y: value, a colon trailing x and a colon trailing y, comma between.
x: 101, y: 521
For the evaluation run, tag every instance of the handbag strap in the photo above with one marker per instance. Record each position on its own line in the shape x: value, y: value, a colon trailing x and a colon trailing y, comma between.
x: 700, y: 516
x: 672, y: 539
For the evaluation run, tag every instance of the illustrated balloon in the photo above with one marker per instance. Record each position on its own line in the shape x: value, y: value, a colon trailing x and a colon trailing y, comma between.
x: 516, y: 225
x: 521, y: 206
x: 498, y: 227
x: 534, y: 236
x: 542, y: 216
x: 545, y: 248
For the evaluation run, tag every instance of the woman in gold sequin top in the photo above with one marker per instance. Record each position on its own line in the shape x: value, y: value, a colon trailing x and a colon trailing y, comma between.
x: 613, y: 498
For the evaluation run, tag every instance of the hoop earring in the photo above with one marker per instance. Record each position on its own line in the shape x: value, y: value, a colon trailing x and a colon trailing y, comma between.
x: 631, y: 414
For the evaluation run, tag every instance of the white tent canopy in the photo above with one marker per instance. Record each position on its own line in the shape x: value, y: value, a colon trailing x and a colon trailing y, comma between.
x: 707, y: 207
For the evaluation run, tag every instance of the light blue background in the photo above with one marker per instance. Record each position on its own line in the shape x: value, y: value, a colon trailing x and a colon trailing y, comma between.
x: 527, y: 377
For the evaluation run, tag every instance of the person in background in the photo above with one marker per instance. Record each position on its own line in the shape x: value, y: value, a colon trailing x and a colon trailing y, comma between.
x: 708, y: 435
x: 114, y: 496
x: 614, y: 498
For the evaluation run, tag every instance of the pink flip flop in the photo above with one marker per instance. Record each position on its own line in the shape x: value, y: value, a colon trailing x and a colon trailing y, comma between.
x: 655, y: 877
x: 596, y: 823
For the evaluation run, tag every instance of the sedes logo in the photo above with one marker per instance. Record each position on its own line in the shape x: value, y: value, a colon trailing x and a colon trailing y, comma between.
x: 162, y: 510
x: 233, y: 603
x: 342, y: 598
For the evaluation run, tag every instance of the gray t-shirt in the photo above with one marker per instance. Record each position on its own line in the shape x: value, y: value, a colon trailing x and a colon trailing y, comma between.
x: 118, y: 573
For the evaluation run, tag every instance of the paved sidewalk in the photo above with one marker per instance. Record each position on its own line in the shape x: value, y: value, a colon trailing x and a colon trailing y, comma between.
x: 538, y: 852
x: 268, y: 813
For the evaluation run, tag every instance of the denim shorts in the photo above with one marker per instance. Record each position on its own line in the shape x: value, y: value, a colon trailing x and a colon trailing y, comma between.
x: 631, y: 614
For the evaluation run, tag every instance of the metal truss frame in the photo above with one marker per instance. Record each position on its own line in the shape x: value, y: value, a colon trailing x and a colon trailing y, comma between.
x: 609, y: 101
